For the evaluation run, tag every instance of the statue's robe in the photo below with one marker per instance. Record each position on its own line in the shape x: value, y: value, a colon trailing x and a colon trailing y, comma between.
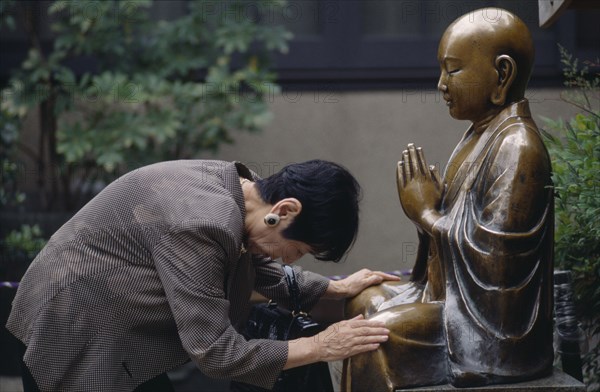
x: 485, y: 315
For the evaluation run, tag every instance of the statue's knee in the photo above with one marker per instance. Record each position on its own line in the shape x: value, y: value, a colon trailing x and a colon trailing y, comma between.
x: 370, y: 299
x: 417, y: 321
x: 367, y: 302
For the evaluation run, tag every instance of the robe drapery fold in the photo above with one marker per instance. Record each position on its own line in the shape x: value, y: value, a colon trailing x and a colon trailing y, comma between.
x: 495, y: 246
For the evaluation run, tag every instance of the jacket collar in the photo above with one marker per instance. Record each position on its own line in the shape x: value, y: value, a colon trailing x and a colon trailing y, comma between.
x: 232, y: 173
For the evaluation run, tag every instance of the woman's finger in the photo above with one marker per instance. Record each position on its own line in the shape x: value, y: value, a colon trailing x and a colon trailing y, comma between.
x: 387, y: 276
x: 377, y: 326
x: 368, y: 273
x: 361, y: 340
x: 370, y: 331
x: 358, y: 324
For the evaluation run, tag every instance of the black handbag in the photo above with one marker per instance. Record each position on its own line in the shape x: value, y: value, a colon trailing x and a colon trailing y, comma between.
x: 269, y: 321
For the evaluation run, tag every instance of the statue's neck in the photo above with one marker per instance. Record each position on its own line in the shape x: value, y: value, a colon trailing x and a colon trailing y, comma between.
x: 482, y: 123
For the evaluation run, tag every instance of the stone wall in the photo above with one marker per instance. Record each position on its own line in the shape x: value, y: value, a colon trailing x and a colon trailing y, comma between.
x: 366, y: 132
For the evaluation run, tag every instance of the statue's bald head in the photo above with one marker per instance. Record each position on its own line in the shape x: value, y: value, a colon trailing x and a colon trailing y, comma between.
x: 495, y: 32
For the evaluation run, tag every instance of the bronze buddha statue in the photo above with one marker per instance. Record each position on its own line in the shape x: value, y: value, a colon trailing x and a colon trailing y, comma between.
x: 478, y: 308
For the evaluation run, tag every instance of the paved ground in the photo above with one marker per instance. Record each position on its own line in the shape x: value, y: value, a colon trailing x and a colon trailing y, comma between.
x: 10, y: 384
x: 185, y: 379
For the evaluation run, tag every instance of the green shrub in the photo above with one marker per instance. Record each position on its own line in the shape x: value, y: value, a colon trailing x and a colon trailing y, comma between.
x: 575, y: 153
x: 10, y: 195
x: 18, y: 247
x: 27, y: 241
x: 158, y: 90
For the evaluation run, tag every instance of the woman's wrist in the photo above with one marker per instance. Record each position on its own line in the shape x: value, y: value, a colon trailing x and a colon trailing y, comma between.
x: 302, y: 351
x: 336, y: 290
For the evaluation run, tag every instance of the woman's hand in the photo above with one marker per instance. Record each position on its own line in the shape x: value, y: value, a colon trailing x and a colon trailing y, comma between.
x: 356, y: 283
x: 339, y: 341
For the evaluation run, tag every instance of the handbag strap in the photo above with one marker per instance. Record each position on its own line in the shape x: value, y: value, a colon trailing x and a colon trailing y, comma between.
x: 294, y: 290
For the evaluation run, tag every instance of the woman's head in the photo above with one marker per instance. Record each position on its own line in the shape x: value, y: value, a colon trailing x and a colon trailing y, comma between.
x: 328, y: 218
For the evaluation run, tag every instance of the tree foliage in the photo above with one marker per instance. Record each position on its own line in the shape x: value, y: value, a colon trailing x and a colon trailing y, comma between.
x: 20, y: 245
x: 150, y: 89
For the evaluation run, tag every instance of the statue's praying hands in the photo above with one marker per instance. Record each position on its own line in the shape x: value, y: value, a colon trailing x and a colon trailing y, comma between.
x: 420, y: 188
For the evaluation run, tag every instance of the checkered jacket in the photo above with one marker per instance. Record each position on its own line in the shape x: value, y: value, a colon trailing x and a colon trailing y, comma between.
x: 147, y: 275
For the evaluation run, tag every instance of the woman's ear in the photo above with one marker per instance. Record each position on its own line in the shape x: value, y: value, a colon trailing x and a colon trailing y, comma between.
x: 287, y: 208
x: 507, y: 72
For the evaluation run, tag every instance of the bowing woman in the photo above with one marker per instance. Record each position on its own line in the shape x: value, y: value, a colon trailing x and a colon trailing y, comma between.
x: 158, y: 269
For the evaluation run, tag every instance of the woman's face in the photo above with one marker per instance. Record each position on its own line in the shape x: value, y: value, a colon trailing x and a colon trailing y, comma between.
x: 290, y: 251
x: 274, y: 245
x: 269, y: 240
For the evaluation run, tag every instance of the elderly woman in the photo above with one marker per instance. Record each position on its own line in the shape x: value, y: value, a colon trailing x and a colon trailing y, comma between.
x: 159, y: 268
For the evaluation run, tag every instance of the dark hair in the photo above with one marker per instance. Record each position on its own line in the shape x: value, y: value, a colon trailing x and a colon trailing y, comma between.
x: 328, y: 221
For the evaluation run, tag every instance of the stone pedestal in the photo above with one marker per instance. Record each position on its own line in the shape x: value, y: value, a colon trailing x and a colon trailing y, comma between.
x: 557, y: 382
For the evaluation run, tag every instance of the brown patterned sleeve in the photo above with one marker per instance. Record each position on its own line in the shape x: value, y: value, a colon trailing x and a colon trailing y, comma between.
x: 270, y: 282
x: 191, y: 262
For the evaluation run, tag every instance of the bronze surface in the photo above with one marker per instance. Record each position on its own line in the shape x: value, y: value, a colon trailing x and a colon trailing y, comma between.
x: 478, y: 309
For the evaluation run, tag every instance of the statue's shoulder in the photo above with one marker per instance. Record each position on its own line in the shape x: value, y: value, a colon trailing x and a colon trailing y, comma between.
x: 520, y: 145
x: 520, y: 135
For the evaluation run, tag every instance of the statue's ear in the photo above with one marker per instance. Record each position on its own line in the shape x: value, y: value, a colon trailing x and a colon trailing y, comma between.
x: 507, y: 72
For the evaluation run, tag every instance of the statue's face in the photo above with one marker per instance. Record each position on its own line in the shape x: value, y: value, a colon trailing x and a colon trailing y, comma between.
x: 468, y: 77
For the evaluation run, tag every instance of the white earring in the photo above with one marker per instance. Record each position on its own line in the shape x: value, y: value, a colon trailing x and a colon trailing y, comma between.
x: 272, y: 219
